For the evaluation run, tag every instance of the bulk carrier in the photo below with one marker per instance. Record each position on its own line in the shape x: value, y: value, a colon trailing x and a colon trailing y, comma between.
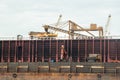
x: 45, y: 57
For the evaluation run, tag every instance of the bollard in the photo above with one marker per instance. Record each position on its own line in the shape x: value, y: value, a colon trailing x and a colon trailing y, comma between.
x: 69, y: 76
x: 99, y: 76
x: 14, y: 76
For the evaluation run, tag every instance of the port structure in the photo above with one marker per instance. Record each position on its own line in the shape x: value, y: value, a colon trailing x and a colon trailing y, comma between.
x: 69, y: 27
x: 73, y: 29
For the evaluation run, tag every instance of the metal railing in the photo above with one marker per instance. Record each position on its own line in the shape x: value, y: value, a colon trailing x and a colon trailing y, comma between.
x: 59, y: 38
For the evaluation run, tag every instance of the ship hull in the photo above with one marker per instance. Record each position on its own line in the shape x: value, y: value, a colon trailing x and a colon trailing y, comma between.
x: 59, y: 71
x: 41, y: 59
x: 50, y: 50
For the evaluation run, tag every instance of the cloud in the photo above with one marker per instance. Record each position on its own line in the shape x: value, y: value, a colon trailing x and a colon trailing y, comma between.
x: 22, y: 16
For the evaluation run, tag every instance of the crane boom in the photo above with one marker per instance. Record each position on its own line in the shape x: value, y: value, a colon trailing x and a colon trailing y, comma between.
x: 107, y: 25
x: 62, y: 30
x: 56, y: 25
x: 60, y: 16
x: 81, y: 27
x: 58, y: 21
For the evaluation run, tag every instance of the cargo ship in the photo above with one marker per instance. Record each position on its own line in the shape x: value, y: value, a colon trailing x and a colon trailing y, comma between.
x: 44, y: 57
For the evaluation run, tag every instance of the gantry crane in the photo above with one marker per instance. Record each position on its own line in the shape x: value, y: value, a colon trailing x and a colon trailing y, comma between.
x: 63, y: 31
x: 93, y: 27
x: 73, y: 27
x: 71, y: 31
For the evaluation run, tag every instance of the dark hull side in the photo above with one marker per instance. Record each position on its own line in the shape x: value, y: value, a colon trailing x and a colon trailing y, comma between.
x: 58, y: 76
x: 50, y: 50
x: 59, y: 71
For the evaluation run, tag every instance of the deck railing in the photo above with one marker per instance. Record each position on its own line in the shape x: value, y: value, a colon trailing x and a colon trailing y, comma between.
x: 59, y: 38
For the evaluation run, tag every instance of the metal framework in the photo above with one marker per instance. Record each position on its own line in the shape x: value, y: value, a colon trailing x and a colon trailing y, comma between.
x: 73, y: 28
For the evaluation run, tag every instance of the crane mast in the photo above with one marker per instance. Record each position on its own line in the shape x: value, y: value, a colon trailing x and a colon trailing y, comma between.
x: 56, y: 25
x: 58, y: 21
x: 107, y: 26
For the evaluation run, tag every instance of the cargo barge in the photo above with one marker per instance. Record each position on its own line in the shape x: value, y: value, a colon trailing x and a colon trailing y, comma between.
x: 41, y: 59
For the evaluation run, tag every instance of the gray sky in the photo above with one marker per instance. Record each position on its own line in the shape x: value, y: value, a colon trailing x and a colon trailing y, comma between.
x: 23, y: 16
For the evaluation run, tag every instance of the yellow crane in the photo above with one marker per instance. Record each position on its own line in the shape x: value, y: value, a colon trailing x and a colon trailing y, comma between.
x: 70, y: 31
x: 52, y: 34
x: 93, y: 27
x: 73, y: 27
x: 34, y: 34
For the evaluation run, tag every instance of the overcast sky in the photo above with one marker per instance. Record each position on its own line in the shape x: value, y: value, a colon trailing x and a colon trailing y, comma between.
x: 23, y: 16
